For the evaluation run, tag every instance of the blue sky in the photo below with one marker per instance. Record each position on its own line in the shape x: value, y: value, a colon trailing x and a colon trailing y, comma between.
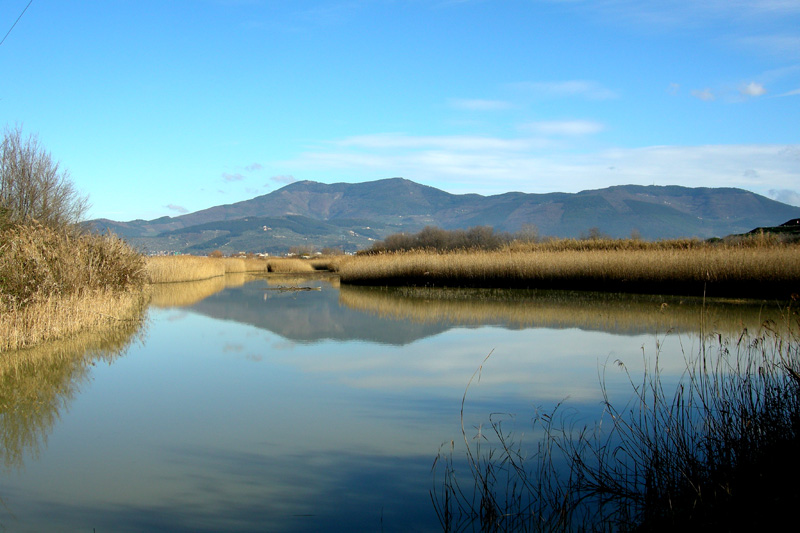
x: 166, y: 107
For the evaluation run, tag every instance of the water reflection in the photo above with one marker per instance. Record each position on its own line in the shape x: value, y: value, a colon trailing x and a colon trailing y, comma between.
x: 309, y: 316
x: 38, y: 384
x: 251, y: 409
x: 625, y: 314
x: 402, y: 315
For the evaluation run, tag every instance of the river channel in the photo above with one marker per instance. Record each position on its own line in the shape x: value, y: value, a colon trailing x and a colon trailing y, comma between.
x: 294, y: 404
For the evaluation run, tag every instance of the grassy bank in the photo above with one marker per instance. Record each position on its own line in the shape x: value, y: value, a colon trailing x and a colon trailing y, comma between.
x: 714, y: 451
x: 56, y: 282
x: 169, y: 269
x: 765, y: 270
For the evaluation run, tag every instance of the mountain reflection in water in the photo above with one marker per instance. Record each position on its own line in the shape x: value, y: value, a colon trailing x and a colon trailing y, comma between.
x: 402, y: 315
x: 248, y: 409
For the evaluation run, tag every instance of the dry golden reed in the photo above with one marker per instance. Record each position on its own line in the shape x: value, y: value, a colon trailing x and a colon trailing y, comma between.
x: 289, y: 265
x: 38, y: 262
x: 57, y: 317
x: 55, y: 282
x: 769, y: 271
x: 168, y: 269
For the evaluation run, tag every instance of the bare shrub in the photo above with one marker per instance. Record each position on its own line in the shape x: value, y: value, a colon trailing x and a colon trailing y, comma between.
x: 33, y: 187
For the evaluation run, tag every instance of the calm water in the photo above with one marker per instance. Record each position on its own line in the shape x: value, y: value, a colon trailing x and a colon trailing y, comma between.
x: 244, y: 408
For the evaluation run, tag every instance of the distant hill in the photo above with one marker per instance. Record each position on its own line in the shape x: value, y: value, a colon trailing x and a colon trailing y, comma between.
x: 353, y: 215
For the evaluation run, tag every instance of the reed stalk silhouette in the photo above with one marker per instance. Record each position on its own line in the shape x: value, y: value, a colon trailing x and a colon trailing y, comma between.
x: 714, y: 450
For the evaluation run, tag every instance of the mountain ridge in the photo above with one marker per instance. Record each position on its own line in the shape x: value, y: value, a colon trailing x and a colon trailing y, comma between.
x: 352, y: 215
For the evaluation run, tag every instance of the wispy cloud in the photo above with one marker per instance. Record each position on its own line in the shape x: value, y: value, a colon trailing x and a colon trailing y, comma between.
x: 591, y: 90
x: 254, y: 167
x: 753, y: 89
x: 781, y: 45
x: 283, y: 180
x: 564, y: 127
x: 795, y: 92
x: 480, y: 105
x: 705, y: 94
x: 177, y: 208
x: 787, y: 196
x: 443, y: 142
x: 680, y: 13
x: 229, y: 177
x: 493, y: 165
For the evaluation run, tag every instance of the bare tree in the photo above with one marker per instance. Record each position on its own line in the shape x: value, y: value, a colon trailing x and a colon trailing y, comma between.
x: 33, y: 187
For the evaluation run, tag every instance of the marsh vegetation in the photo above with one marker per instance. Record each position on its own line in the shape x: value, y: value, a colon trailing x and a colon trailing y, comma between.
x: 56, y: 282
x: 170, y: 269
x: 56, y: 279
x: 760, y: 267
x: 712, y: 450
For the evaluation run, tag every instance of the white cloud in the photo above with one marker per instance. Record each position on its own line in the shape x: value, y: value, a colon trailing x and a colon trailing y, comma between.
x: 706, y: 95
x: 683, y: 13
x: 493, y: 166
x: 480, y: 105
x: 284, y: 180
x: 582, y: 88
x: 445, y: 142
x: 227, y: 176
x: 787, y: 196
x: 753, y: 89
x: 564, y: 127
x: 783, y: 46
x: 795, y: 92
x: 177, y: 208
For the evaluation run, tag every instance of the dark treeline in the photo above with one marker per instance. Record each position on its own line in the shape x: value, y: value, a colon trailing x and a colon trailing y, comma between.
x: 485, y: 238
x: 438, y: 239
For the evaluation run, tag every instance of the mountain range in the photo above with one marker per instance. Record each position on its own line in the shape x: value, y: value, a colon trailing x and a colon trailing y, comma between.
x: 351, y: 216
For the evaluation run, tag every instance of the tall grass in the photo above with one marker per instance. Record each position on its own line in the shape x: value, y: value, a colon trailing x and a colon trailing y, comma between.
x: 745, y: 271
x: 38, y: 262
x: 57, y: 282
x: 716, y: 451
x: 169, y: 269
x: 290, y: 265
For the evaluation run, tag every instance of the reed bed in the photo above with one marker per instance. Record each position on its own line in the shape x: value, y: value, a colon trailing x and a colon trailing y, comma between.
x: 168, y: 269
x: 330, y: 263
x: 55, y: 282
x: 57, y: 316
x: 289, y: 265
x: 763, y: 272
x: 240, y: 265
x: 181, y: 268
x: 39, y: 262
x: 629, y: 315
x: 714, y: 451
